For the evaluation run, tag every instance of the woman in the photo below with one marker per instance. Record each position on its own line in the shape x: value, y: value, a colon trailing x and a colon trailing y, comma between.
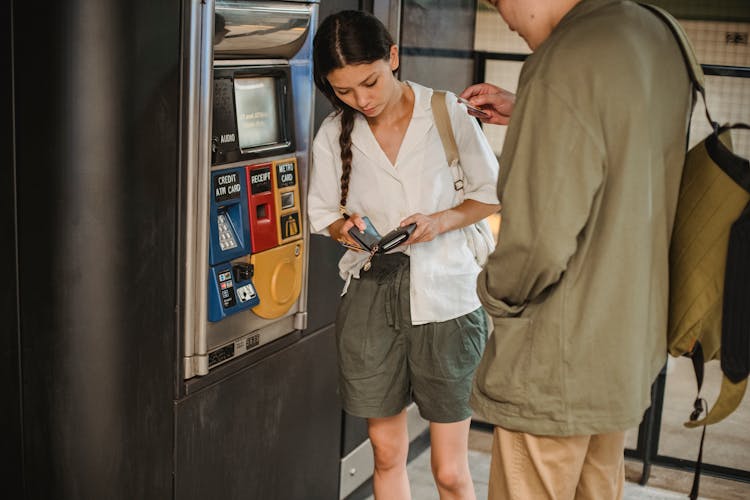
x: 409, y: 326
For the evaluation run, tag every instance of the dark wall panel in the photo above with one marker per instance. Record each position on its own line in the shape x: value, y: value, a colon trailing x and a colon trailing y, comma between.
x: 271, y: 431
x: 324, y: 283
x: 97, y: 99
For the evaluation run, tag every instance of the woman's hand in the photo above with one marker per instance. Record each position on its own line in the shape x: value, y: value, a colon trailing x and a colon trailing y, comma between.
x: 496, y: 102
x: 428, y: 227
x: 339, y: 230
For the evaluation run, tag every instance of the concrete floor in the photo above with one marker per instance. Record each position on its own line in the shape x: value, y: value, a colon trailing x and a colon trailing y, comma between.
x: 664, y: 484
x: 727, y: 445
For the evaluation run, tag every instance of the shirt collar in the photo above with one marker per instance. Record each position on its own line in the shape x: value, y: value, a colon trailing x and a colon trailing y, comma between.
x: 421, y: 122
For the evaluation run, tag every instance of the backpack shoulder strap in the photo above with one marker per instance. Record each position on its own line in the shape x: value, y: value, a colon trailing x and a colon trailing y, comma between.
x: 688, y: 53
x: 445, y: 129
x: 695, y: 71
x: 443, y: 123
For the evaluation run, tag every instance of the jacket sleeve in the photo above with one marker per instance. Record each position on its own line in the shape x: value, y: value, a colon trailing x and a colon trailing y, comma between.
x: 550, y: 171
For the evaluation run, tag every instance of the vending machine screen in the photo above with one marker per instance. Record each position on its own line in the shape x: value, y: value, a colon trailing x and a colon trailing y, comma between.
x: 258, y: 121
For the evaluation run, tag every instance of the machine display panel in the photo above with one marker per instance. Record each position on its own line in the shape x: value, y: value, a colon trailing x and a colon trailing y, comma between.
x: 258, y: 120
x: 252, y: 112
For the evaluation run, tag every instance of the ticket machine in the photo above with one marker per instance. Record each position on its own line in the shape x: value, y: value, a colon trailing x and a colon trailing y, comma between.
x: 260, y: 93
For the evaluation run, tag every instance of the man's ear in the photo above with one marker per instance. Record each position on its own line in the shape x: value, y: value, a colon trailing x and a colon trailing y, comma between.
x: 394, y: 58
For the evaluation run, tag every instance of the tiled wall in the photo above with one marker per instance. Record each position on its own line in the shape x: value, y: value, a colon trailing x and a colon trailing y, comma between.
x: 728, y: 97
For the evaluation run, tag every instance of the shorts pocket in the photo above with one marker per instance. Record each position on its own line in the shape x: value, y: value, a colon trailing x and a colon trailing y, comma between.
x: 366, y: 345
x: 475, y: 334
x: 503, y: 373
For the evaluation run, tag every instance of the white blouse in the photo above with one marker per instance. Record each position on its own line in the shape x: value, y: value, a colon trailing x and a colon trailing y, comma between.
x: 443, y: 271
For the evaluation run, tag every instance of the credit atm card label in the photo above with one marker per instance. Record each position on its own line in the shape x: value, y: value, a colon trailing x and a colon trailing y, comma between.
x: 289, y: 225
x: 260, y: 180
x: 227, y: 186
x: 285, y: 175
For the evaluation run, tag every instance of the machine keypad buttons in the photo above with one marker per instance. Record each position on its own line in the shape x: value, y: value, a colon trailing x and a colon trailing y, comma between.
x: 226, y: 235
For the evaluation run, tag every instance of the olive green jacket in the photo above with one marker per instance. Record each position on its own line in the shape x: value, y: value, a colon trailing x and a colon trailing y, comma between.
x: 589, y: 176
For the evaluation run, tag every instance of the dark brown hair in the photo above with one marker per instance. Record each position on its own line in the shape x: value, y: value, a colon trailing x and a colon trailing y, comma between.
x: 345, y: 38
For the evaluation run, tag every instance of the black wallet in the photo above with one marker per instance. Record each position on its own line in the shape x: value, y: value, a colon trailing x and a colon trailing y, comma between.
x: 370, y: 238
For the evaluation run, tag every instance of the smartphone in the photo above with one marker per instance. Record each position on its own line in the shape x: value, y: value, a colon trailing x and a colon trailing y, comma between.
x: 473, y: 110
x: 396, y: 237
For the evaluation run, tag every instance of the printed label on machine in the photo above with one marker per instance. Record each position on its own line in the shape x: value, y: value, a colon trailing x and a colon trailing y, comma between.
x: 289, y: 225
x: 226, y: 289
x: 260, y: 180
x: 227, y: 187
x: 285, y: 175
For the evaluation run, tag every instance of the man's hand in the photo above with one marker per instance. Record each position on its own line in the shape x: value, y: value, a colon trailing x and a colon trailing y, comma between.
x: 496, y: 102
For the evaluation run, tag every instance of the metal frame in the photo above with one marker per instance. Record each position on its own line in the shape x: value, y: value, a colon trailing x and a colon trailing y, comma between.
x: 200, y: 75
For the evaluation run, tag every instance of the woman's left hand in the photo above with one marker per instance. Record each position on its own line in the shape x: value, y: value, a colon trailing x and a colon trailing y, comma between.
x: 428, y: 227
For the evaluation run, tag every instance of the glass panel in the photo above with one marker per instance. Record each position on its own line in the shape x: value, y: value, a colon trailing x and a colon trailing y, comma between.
x: 719, y: 42
x: 729, y: 102
x: 727, y: 442
x: 436, y: 40
x: 504, y: 74
x: 493, y: 35
x: 706, y: 9
x: 631, y: 439
x: 438, y: 24
x: 445, y: 73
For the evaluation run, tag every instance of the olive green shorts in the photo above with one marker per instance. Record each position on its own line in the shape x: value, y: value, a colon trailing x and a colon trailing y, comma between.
x: 385, y: 362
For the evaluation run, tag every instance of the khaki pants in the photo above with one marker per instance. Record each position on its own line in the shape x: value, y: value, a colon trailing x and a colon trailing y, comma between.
x: 529, y: 467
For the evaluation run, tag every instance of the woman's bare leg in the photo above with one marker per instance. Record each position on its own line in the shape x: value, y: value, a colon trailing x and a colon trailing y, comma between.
x: 390, y: 444
x: 450, y: 460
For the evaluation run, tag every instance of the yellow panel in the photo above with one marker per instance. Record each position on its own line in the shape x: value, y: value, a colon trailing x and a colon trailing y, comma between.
x: 289, y: 219
x: 277, y: 278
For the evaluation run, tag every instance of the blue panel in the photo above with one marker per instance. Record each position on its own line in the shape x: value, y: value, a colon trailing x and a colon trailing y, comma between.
x: 227, y: 295
x: 229, y: 221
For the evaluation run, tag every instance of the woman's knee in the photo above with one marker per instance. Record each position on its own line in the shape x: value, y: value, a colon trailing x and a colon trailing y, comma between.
x: 451, y: 476
x: 389, y: 452
x: 390, y: 441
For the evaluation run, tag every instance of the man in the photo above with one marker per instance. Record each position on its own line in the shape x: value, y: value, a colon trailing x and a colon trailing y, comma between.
x: 577, y: 287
